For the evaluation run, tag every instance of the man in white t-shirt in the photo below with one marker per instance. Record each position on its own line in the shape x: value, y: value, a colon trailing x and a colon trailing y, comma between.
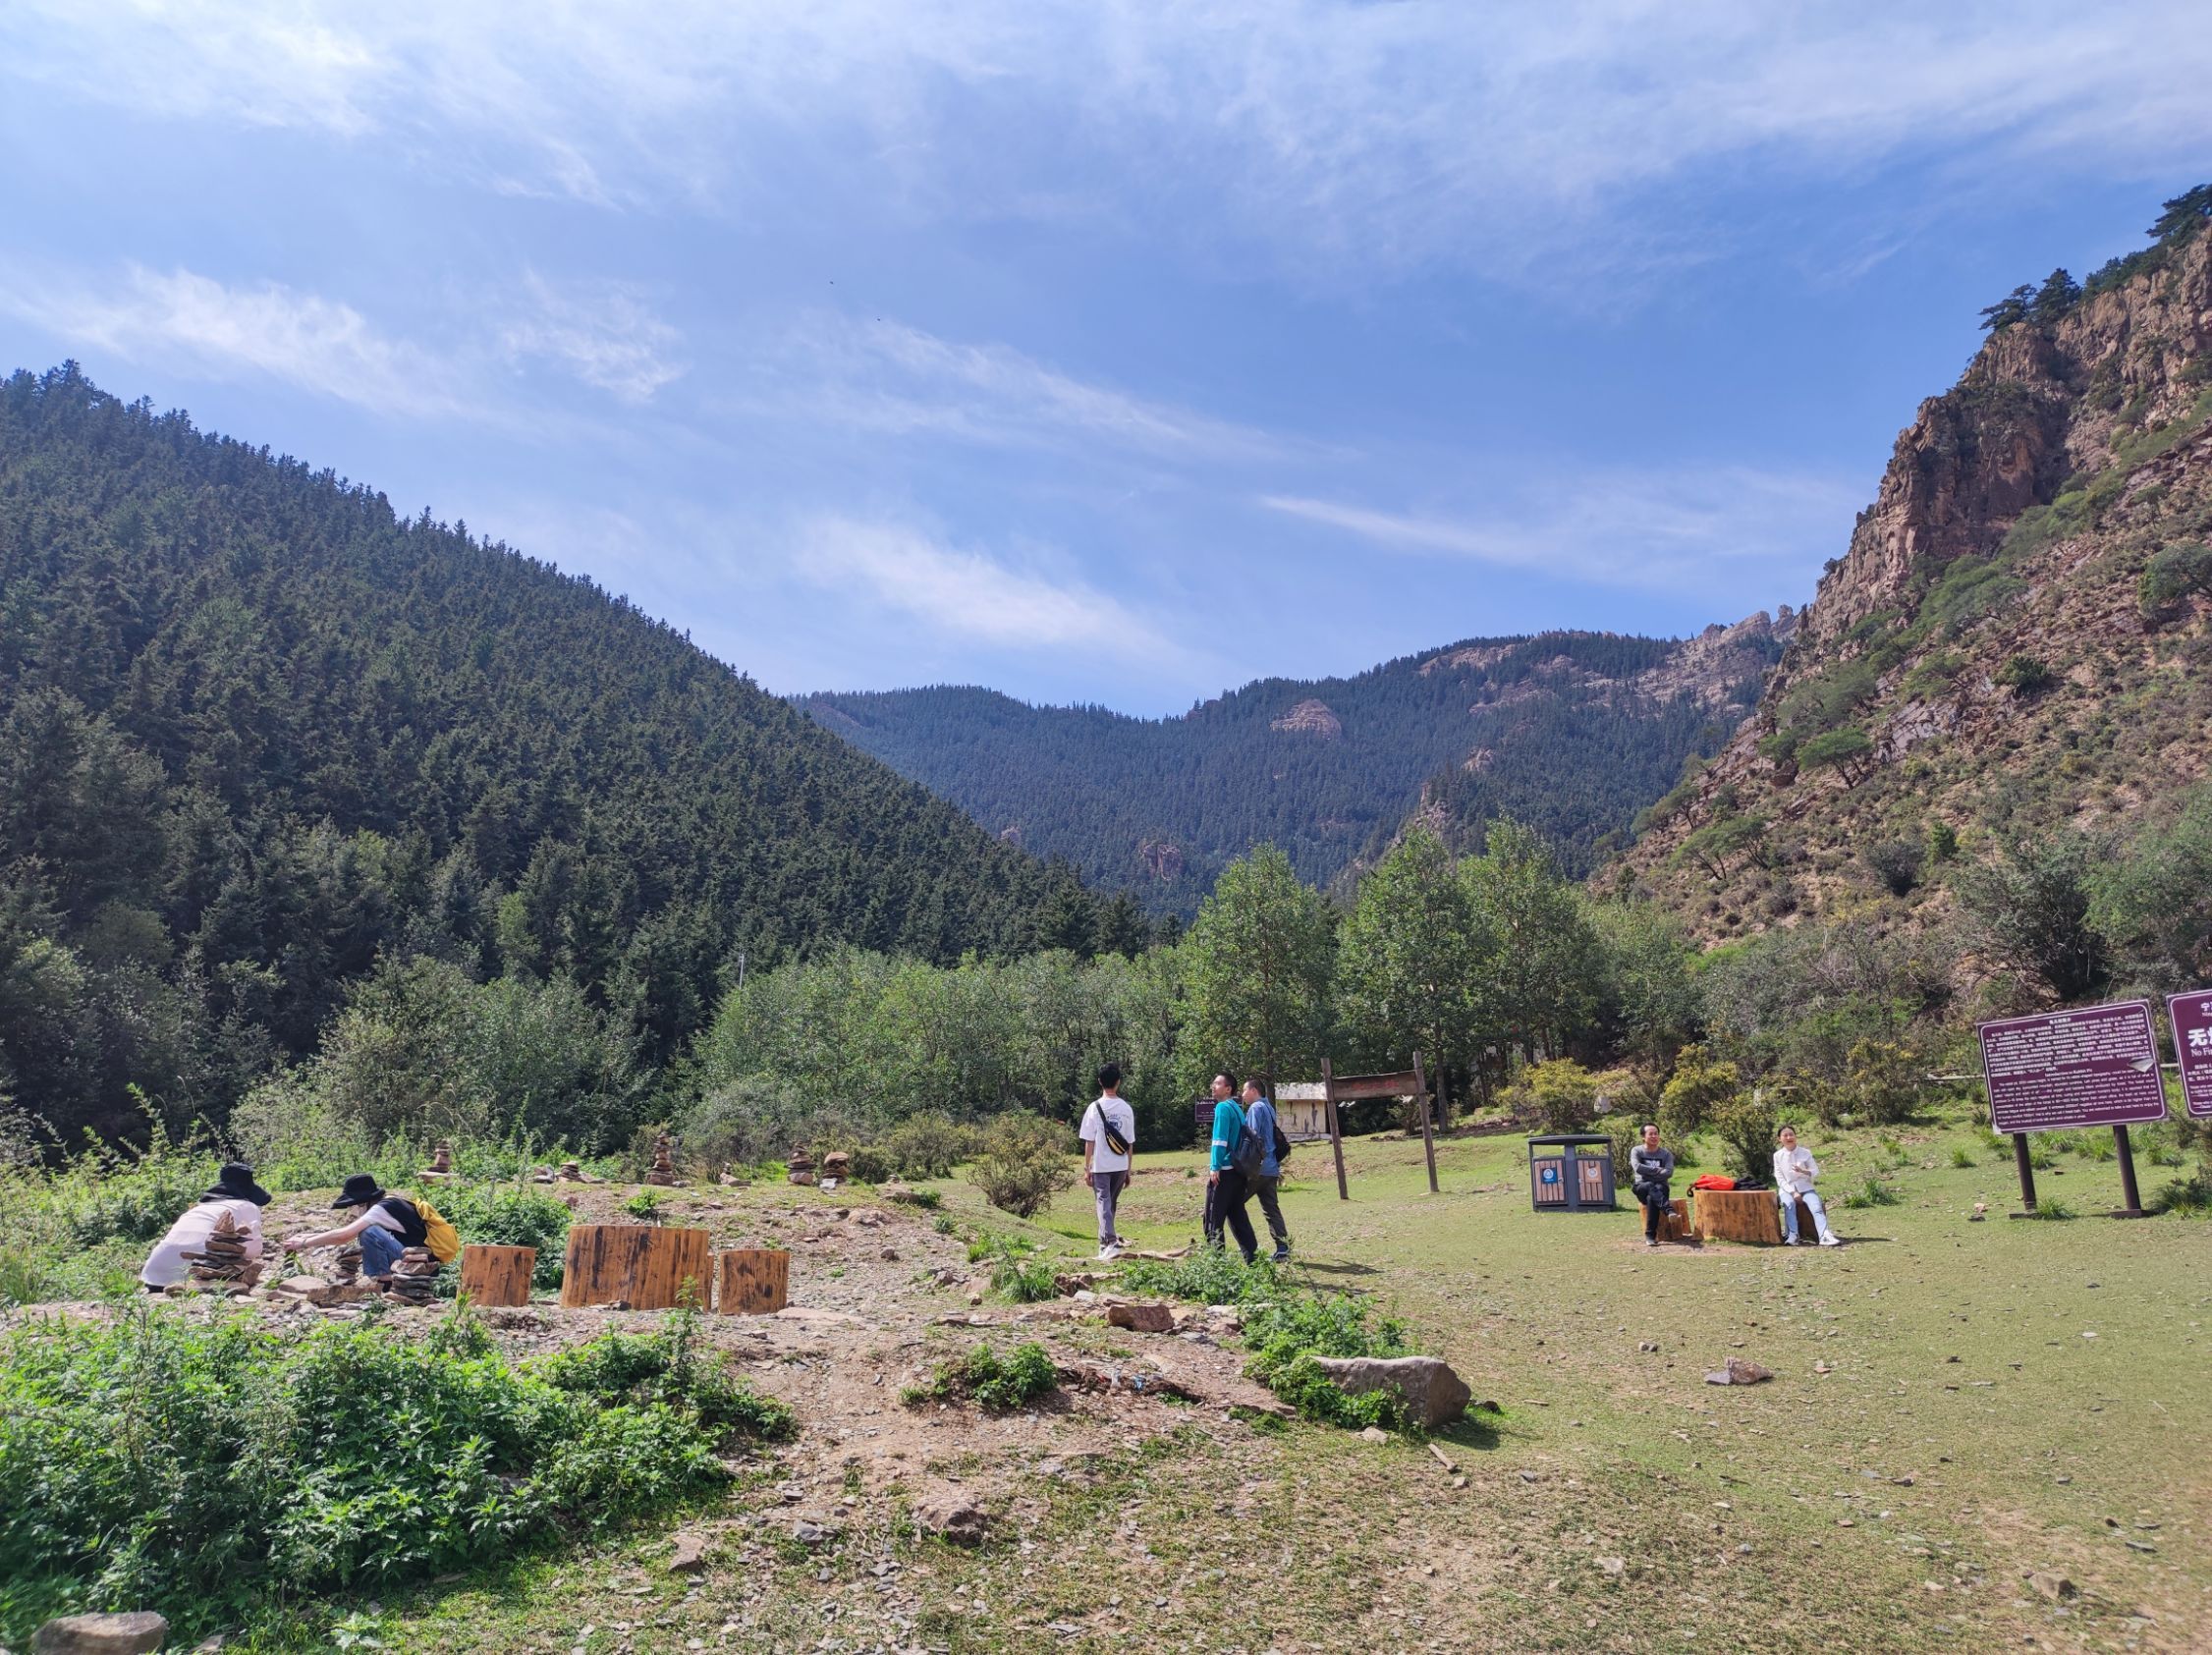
x: 1109, y: 1134
x: 1794, y: 1170
x: 234, y: 1192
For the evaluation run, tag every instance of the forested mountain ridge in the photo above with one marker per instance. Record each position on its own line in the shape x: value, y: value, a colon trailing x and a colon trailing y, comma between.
x: 1569, y: 732
x: 257, y: 730
x: 2013, y: 647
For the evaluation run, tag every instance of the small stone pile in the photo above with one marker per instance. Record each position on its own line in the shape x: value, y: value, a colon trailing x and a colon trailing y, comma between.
x: 440, y: 1168
x: 836, y: 1165
x: 802, y: 1167
x: 346, y: 1269
x: 223, y: 1262
x: 413, y: 1279
x: 664, y: 1163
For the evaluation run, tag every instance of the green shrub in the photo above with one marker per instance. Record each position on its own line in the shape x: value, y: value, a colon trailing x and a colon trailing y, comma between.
x: 644, y: 1206
x: 1284, y: 1328
x: 2052, y: 1209
x: 1961, y: 1156
x: 2025, y: 676
x: 990, y: 1380
x: 515, y: 1217
x: 1022, y: 1277
x: 1873, y: 1193
x: 2190, y: 1196
x: 1286, y: 1335
x: 930, y: 1144
x: 668, y: 1369
x: 1560, y: 1096
x: 1745, y: 1124
x: 1024, y: 1161
x: 1697, y: 1087
x: 944, y: 1225
x: 207, y: 1470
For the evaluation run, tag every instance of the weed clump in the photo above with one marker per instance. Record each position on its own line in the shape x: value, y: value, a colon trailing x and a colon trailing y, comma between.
x: 1873, y: 1193
x: 1286, y: 1328
x: 990, y: 1380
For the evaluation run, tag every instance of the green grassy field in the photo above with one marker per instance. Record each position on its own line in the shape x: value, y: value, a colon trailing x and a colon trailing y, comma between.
x: 1955, y: 1404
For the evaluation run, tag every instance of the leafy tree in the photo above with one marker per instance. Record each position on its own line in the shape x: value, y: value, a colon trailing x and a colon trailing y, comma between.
x: 2030, y: 910
x: 2057, y: 295
x: 1543, y: 966
x: 1256, y: 967
x: 2184, y: 215
x: 1723, y: 843
x: 2155, y: 898
x: 1650, y: 1005
x: 1696, y: 1092
x: 2014, y: 307
x: 1848, y: 752
x: 1407, y: 955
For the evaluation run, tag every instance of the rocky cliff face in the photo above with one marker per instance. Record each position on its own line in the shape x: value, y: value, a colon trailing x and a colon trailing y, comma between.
x: 1982, y: 658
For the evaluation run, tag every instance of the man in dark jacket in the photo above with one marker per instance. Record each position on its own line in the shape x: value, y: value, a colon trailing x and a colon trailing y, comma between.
x: 1651, y: 1170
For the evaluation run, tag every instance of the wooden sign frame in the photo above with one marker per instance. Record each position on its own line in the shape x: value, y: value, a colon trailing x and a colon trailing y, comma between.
x: 1350, y: 1089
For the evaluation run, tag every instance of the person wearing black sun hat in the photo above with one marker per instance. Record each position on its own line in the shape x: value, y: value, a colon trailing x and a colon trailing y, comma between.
x: 389, y: 1224
x: 234, y: 1192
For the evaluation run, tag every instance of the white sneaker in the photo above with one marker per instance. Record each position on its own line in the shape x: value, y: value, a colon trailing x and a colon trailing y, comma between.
x: 1831, y: 1240
x: 1790, y: 1241
x: 1107, y: 1254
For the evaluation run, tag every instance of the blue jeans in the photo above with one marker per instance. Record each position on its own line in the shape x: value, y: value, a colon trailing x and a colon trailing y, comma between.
x: 380, y: 1250
x: 1812, y: 1206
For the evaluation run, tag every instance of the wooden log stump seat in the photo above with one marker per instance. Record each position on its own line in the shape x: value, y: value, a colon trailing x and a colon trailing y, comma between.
x: 496, y: 1275
x: 1737, y: 1215
x: 752, y: 1281
x: 644, y: 1266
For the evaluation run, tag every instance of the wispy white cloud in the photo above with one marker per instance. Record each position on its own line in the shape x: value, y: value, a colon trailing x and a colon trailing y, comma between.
x: 602, y: 332
x: 1702, y: 529
x: 967, y: 594
x: 194, y: 323
x: 1364, y: 135
x: 885, y: 376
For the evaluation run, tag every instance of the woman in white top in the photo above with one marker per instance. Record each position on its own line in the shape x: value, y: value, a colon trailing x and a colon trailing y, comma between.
x: 234, y: 1192
x: 1794, y: 1170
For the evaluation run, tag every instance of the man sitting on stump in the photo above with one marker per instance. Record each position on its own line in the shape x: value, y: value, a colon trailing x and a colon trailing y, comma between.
x: 389, y: 1224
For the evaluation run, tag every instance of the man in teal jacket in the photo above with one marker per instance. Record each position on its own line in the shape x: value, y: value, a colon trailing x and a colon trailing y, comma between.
x: 1226, y: 1190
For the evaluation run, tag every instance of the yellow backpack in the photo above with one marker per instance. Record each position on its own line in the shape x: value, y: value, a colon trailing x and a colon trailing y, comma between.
x: 438, y: 1233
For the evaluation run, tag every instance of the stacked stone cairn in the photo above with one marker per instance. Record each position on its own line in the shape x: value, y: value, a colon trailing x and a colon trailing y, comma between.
x: 346, y: 1271
x: 836, y: 1167
x: 664, y: 1163
x: 413, y: 1279
x: 801, y: 1166
x: 223, y: 1264
x: 440, y: 1169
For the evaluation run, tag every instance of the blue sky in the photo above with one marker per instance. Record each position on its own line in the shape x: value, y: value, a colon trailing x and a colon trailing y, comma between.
x: 1109, y: 352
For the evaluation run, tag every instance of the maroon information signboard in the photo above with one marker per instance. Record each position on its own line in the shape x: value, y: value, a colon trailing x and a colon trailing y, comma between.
x: 2097, y: 1067
x: 2192, y: 1044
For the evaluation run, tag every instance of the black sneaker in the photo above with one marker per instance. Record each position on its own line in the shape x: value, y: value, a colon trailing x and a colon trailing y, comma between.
x: 1282, y: 1255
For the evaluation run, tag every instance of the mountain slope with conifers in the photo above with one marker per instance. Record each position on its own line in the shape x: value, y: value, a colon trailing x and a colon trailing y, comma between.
x: 1569, y: 732
x: 257, y: 730
x: 2012, y: 651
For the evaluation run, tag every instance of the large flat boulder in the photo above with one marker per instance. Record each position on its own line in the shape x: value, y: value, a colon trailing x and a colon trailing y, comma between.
x: 1431, y: 1393
x: 134, y: 1634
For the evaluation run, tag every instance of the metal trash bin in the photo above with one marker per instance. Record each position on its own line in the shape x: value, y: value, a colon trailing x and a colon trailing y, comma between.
x: 1570, y: 1171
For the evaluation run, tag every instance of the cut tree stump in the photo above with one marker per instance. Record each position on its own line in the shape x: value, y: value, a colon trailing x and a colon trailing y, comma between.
x: 644, y: 1266
x: 752, y: 1281
x: 493, y: 1275
x: 1738, y: 1215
